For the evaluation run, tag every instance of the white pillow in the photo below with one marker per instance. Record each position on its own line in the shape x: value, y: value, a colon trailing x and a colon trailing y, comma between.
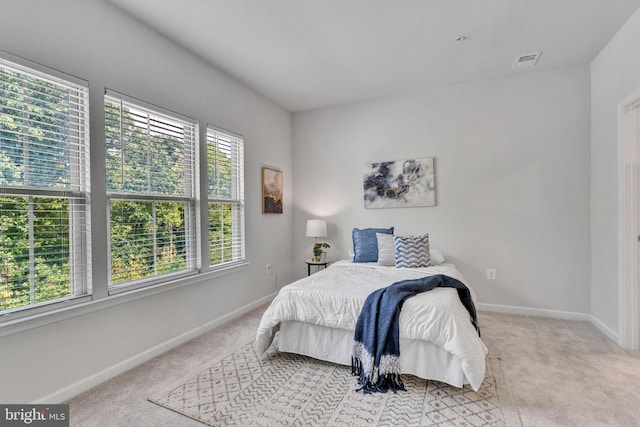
x: 386, y: 249
x: 436, y: 256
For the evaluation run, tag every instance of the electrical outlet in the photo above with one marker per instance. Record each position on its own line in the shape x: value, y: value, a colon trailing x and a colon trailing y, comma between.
x: 491, y: 273
x: 267, y: 269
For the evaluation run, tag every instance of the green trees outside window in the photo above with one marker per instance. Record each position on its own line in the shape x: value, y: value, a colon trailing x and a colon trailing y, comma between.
x: 150, y: 173
x: 38, y: 272
x: 225, y: 163
x: 43, y: 144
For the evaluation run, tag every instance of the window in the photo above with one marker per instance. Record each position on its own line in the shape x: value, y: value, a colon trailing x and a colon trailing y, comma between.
x: 225, y: 161
x: 151, y: 181
x: 44, y: 182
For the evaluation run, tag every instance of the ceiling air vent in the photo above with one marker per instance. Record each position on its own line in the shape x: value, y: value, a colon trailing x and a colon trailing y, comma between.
x: 528, y: 60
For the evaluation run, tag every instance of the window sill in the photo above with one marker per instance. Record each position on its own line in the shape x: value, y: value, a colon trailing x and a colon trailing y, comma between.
x: 58, y: 314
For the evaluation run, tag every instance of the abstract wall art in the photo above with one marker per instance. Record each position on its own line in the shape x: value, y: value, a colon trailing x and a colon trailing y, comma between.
x: 400, y: 183
x: 271, y: 191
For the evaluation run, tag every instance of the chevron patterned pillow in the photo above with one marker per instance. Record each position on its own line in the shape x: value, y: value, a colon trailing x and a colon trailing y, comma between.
x: 412, y: 252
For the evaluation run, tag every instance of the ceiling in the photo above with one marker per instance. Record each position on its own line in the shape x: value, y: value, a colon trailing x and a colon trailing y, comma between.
x: 306, y: 54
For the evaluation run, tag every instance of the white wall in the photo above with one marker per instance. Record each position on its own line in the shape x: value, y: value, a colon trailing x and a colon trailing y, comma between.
x: 615, y: 75
x: 96, y: 42
x: 512, y: 178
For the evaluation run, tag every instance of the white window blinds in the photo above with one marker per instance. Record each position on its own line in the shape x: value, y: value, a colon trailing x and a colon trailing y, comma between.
x: 225, y: 163
x: 44, y: 182
x: 151, y: 176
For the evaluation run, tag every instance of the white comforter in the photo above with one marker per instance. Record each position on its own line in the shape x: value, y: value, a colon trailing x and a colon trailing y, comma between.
x: 334, y: 298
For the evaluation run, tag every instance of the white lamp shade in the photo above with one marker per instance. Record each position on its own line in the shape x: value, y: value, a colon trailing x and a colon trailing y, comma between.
x: 316, y: 228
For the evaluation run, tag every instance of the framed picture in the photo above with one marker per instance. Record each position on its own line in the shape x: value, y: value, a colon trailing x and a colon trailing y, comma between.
x: 399, y: 184
x: 271, y: 191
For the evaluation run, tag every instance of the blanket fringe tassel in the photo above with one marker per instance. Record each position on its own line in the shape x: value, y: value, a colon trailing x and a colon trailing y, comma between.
x: 381, y: 384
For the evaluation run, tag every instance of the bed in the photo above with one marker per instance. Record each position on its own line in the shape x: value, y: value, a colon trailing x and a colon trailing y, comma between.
x: 316, y: 317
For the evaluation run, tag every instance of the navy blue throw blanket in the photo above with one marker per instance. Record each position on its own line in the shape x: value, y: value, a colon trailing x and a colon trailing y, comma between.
x: 376, y: 349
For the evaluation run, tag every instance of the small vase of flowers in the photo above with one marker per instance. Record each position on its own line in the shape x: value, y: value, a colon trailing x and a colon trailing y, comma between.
x: 320, y: 251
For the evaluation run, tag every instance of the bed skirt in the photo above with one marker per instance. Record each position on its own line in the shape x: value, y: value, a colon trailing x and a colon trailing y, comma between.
x: 335, y: 345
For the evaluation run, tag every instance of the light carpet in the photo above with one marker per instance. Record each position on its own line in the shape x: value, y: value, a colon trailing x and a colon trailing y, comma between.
x: 283, y: 389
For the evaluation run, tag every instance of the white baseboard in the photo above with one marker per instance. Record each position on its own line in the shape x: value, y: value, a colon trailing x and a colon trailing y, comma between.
x: 85, y: 384
x: 555, y: 314
x: 610, y: 333
x: 540, y: 312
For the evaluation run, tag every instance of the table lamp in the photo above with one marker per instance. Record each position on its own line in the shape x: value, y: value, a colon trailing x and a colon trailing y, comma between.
x: 316, y: 228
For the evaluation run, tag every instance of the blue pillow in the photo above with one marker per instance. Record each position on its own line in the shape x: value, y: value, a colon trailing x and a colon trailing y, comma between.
x: 365, y: 243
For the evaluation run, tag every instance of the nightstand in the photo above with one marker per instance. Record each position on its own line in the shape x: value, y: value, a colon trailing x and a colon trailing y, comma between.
x: 316, y: 263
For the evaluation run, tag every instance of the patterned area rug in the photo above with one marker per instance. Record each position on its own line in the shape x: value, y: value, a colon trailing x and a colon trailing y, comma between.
x: 282, y: 389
